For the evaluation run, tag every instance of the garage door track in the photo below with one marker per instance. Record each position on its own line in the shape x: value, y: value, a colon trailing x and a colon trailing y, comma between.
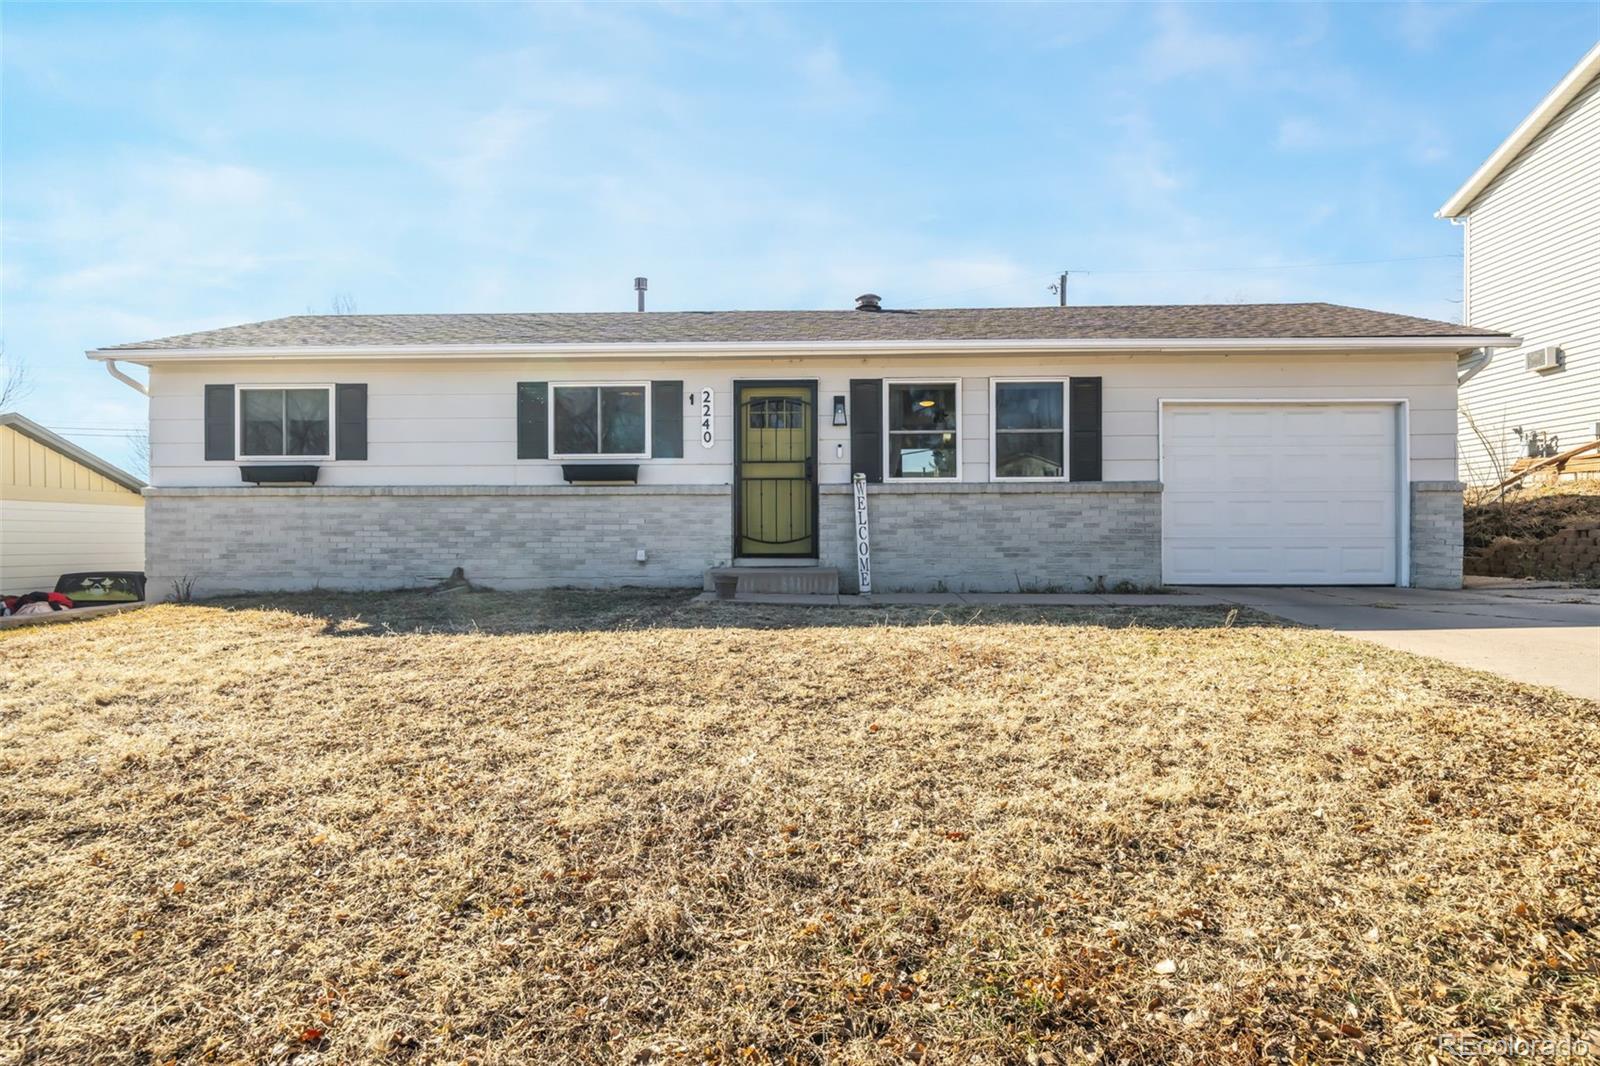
x: 1538, y: 635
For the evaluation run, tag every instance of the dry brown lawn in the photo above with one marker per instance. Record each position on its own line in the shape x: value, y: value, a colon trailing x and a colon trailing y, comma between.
x: 634, y: 829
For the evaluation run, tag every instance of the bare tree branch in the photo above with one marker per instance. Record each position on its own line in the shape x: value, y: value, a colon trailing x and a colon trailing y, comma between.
x: 139, y: 452
x: 1496, y: 453
x: 15, y: 381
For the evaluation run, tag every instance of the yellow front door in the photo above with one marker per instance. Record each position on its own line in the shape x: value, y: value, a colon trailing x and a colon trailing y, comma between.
x: 776, y: 470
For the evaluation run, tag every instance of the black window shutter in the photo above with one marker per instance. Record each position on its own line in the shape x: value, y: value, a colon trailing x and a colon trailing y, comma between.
x: 666, y: 419
x: 866, y: 428
x: 350, y: 416
x: 533, y: 437
x: 219, y: 421
x: 1083, y: 416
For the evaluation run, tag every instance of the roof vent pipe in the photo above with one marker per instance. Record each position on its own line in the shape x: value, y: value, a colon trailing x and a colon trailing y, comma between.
x: 869, y: 301
x: 639, y: 286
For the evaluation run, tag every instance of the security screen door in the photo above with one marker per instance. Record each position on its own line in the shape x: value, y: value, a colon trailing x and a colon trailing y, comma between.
x: 776, y: 469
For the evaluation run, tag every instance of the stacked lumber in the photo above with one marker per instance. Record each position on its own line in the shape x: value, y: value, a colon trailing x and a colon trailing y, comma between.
x: 1568, y: 462
x: 1583, y: 464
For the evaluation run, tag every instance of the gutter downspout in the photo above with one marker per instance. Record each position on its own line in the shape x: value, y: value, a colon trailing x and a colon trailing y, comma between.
x: 132, y: 383
x: 1470, y: 365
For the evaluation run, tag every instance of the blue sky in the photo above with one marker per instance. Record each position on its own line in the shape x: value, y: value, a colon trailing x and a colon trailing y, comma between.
x: 171, y: 168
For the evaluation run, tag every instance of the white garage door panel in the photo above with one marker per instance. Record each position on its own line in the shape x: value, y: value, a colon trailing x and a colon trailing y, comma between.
x: 1295, y: 494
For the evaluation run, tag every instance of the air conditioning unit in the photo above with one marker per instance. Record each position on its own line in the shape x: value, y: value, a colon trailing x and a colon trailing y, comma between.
x: 1543, y: 359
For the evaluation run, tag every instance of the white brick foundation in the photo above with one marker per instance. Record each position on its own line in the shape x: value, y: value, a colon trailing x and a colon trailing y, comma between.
x: 964, y: 537
x: 987, y: 537
x: 285, y: 539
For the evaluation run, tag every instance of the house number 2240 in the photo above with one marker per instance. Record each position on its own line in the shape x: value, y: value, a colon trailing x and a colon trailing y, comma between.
x: 700, y: 400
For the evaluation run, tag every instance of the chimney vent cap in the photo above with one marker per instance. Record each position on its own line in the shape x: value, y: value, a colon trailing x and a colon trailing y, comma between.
x: 869, y: 301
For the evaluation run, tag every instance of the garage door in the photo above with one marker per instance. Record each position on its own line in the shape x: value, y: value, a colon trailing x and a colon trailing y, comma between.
x: 1268, y: 494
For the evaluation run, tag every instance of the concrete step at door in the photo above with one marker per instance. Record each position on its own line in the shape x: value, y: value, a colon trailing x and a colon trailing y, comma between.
x: 784, y: 580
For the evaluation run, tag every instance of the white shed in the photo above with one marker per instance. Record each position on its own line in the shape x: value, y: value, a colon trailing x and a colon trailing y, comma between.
x: 62, y: 509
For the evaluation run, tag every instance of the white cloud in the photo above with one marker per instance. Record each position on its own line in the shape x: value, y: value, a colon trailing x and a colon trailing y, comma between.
x: 1299, y: 133
x: 1184, y: 48
x: 1420, y: 25
x: 825, y: 84
x: 178, y: 223
x: 1142, y: 161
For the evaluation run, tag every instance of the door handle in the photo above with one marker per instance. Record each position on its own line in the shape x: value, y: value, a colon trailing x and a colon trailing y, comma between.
x: 811, y: 469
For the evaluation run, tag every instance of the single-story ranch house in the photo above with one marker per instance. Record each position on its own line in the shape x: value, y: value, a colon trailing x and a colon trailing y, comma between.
x: 1007, y: 449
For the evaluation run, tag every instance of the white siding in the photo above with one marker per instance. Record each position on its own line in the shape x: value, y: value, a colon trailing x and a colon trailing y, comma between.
x: 40, y: 541
x: 1533, y: 269
x: 454, y: 423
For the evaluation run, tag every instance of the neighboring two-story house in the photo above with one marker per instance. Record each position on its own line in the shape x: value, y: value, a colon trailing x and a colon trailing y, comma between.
x: 1531, y: 217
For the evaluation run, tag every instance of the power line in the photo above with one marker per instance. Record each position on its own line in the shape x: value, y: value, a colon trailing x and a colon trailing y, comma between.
x: 1278, y: 266
x: 1207, y: 270
x: 96, y: 425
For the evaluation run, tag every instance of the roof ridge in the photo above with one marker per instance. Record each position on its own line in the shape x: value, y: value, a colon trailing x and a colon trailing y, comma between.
x: 1287, y: 321
x: 1048, y: 308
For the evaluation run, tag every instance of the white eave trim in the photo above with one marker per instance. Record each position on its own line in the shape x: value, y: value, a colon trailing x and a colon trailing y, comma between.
x: 1463, y: 343
x: 1575, y: 82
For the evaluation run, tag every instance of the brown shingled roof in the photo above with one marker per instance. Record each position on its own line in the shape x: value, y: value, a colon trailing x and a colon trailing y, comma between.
x: 1152, y: 322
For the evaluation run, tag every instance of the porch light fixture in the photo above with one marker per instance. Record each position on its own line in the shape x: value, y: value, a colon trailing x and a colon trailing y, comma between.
x: 838, y: 411
x: 926, y: 403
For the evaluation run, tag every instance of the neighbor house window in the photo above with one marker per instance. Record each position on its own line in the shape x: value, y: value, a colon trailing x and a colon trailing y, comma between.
x: 1030, y: 439
x: 293, y: 422
x: 922, y: 430
x: 601, y: 420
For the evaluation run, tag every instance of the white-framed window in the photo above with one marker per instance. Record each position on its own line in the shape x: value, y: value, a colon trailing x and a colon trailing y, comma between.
x: 922, y: 436
x: 1028, y: 429
x: 284, y: 421
x: 606, y: 418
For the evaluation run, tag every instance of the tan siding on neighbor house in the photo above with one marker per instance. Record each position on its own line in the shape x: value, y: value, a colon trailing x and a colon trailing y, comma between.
x: 30, y: 470
x: 59, y: 516
x: 454, y: 422
x: 1533, y: 269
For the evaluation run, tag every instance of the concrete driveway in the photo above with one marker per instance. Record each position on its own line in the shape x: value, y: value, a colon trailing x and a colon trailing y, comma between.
x: 1541, y: 635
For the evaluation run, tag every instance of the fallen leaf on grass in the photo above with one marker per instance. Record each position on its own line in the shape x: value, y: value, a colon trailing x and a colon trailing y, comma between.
x: 1166, y: 966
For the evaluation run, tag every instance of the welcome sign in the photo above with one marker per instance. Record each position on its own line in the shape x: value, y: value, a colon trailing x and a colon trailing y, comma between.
x: 863, y: 545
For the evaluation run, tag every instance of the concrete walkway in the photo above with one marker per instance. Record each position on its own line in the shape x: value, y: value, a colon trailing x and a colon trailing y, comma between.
x: 1540, y: 634
x: 970, y: 599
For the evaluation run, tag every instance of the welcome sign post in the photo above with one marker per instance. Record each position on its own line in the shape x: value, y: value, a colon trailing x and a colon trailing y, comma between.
x: 863, y: 547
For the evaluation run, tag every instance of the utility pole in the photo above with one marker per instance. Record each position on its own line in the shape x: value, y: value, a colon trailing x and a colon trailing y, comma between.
x: 1060, y: 287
